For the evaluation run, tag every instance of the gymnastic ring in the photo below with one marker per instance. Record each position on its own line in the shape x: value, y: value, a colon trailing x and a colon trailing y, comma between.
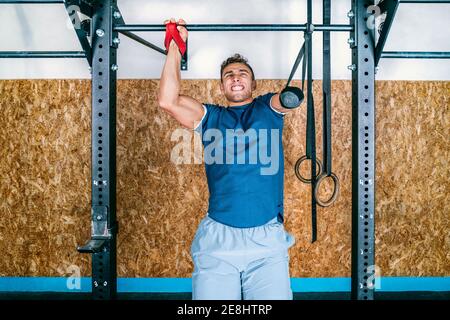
x: 297, y: 169
x: 335, y: 194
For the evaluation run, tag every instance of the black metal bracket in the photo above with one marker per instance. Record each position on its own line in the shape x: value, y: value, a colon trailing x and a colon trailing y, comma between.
x: 83, y: 6
x: 184, y: 59
x: 100, y: 231
x: 82, y: 28
x: 103, y: 143
x: 390, y: 8
x: 363, y: 153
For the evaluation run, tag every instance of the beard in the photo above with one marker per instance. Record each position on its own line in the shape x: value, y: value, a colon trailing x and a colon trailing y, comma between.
x: 238, y: 96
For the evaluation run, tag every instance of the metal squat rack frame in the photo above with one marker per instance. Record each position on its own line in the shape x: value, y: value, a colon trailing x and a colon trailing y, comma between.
x: 103, y: 24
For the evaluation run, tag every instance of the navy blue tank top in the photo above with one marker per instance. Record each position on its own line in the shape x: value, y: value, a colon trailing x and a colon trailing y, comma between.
x: 244, y: 162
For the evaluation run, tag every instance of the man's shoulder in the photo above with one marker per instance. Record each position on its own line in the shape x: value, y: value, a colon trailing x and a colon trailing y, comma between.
x: 264, y: 99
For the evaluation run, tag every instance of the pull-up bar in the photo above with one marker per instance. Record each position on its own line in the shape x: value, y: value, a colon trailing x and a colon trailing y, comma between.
x: 42, y: 54
x: 62, y: 1
x: 236, y: 27
x: 415, y: 55
x: 32, y: 2
x: 424, y: 1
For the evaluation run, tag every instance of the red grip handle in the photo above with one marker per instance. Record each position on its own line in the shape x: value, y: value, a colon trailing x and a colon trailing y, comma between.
x: 172, y: 33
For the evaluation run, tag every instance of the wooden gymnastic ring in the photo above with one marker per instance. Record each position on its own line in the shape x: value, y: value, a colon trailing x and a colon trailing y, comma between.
x: 297, y: 169
x: 335, y: 194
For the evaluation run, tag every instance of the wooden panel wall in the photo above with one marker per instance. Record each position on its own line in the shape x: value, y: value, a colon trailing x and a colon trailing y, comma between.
x: 45, y: 181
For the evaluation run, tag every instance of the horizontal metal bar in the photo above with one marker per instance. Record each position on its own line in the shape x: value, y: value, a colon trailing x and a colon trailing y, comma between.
x: 143, y: 41
x: 42, y: 54
x: 236, y: 27
x: 31, y: 1
x: 425, y: 1
x: 415, y: 55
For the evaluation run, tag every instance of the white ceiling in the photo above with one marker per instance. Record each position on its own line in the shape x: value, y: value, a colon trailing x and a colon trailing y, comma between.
x: 417, y: 27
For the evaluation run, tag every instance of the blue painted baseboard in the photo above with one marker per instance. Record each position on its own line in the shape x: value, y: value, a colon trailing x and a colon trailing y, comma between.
x: 60, y: 284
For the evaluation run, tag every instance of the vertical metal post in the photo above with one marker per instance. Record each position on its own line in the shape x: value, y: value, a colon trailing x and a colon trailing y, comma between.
x: 104, y: 66
x: 363, y: 151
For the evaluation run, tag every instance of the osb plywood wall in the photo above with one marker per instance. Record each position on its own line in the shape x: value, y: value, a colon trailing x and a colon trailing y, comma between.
x: 45, y: 181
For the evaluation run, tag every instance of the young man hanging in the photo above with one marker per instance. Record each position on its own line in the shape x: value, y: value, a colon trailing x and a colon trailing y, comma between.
x: 240, y: 249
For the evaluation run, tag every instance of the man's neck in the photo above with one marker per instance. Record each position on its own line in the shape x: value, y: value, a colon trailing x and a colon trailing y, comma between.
x: 241, y: 103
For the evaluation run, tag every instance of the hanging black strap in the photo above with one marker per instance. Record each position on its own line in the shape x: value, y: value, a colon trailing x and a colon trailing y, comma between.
x: 326, y: 116
x: 299, y: 58
x: 311, y: 136
x: 326, y: 159
x: 305, y: 53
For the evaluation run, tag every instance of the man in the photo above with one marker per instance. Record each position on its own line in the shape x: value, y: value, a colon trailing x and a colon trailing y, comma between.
x: 240, y: 250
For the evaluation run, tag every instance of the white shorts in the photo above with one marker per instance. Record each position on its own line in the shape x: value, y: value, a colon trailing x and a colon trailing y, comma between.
x: 241, y: 263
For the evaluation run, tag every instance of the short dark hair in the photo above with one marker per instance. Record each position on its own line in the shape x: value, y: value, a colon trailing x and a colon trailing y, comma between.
x: 236, y: 58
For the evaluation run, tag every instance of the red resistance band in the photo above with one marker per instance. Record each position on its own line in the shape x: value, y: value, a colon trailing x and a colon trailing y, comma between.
x: 172, y: 33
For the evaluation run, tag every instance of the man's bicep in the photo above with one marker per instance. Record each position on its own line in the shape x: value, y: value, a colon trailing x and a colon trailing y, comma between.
x: 188, y: 111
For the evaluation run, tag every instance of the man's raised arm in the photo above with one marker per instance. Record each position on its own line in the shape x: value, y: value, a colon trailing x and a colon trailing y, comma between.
x: 186, y: 110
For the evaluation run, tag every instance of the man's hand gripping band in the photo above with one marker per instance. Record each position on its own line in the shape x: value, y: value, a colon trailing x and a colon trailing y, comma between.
x: 173, y: 33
